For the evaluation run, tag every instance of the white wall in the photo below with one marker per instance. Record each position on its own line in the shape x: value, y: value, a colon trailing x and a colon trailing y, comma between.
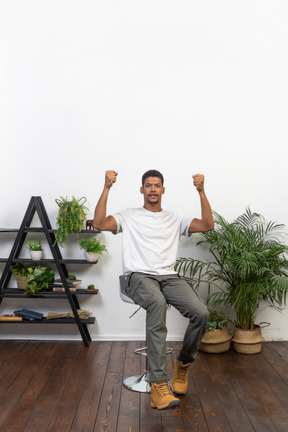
x: 181, y: 86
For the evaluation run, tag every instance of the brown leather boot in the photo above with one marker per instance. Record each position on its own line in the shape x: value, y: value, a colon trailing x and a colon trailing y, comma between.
x: 180, y: 378
x: 162, y: 397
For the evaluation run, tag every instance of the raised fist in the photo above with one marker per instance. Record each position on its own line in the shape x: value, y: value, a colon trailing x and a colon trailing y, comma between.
x: 110, y: 178
x: 198, y: 181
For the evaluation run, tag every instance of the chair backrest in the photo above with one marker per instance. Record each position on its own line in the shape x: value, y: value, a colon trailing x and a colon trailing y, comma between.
x: 123, y: 294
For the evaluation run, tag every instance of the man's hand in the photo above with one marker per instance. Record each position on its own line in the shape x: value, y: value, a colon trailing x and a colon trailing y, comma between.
x: 198, y: 181
x: 110, y: 178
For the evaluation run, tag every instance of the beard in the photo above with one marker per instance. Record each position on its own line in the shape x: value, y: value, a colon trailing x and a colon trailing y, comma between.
x: 153, y: 200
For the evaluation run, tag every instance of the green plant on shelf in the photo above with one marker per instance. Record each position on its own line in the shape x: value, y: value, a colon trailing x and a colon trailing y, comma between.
x: 39, y: 277
x: 34, y: 245
x: 19, y: 269
x: 70, y: 219
x: 92, y: 246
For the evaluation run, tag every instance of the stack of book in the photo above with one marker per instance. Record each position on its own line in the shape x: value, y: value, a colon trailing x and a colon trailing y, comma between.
x: 73, y: 284
x: 29, y: 315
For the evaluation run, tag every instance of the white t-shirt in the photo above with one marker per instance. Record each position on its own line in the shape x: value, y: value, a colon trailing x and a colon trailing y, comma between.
x: 150, y: 239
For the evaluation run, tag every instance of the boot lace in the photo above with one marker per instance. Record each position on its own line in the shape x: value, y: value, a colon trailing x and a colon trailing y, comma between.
x: 182, y: 373
x: 163, y: 389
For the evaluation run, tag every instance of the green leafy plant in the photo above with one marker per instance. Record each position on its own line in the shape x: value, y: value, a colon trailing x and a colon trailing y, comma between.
x: 72, y: 277
x: 70, y: 219
x: 34, y: 245
x: 38, y: 277
x: 92, y: 246
x: 216, y: 320
x: 91, y: 287
x: 248, y: 266
x: 19, y: 269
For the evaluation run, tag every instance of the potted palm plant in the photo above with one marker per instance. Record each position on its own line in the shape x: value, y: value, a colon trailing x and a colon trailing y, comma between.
x: 248, y: 268
x: 92, y: 247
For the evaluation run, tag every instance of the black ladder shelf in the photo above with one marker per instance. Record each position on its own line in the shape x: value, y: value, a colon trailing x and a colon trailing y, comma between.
x: 36, y: 205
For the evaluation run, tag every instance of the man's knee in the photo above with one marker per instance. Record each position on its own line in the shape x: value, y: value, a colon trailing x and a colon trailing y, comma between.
x: 203, y: 314
x: 158, y: 305
x: 200, y: 314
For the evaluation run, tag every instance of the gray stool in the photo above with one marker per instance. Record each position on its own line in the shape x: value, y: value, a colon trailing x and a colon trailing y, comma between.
x: 139, y: 383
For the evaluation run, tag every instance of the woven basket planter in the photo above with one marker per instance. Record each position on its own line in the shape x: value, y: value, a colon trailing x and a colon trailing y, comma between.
x: 21, y: 282
x: 248, y: 341
x: 216, y: 341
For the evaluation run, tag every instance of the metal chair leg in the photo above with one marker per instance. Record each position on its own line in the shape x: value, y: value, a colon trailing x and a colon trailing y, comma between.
x: 141, y: 383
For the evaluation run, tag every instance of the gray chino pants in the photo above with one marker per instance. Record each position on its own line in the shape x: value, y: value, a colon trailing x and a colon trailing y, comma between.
x: 153, y: 293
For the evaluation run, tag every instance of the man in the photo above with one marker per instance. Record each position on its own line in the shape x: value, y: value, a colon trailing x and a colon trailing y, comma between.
x: 150, y: 244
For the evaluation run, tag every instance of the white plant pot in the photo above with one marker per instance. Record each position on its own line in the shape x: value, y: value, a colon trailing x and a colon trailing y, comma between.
x: 92, y: 257
x: 36, y: 255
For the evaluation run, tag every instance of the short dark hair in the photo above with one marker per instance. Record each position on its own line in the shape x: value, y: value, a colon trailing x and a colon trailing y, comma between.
x: 152, y: 173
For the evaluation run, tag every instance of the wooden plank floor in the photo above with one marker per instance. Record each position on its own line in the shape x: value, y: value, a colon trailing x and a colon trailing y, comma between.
x: 63, y: 386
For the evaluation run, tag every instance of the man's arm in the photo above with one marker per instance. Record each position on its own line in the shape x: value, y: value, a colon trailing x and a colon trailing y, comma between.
x: 101, y: 221
x: 206, y: 223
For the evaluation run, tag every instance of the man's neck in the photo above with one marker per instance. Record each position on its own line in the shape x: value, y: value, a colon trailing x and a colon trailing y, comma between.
x: 153, y: 208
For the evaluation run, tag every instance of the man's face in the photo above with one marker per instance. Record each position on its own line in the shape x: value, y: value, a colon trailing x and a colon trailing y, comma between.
x: 152, y: 190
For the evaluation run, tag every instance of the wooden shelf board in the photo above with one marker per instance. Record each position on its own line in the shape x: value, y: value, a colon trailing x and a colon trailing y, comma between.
x: 52, y: 261
x: 90, y: 320
x: 16, y: 293
x: 40, y: 229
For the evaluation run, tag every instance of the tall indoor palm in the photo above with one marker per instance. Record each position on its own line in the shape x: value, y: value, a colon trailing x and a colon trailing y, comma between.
x: 249, y: 265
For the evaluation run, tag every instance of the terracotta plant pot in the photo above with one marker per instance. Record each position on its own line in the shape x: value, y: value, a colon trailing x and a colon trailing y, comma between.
x: 216, y: 341
x: 248, y: 341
